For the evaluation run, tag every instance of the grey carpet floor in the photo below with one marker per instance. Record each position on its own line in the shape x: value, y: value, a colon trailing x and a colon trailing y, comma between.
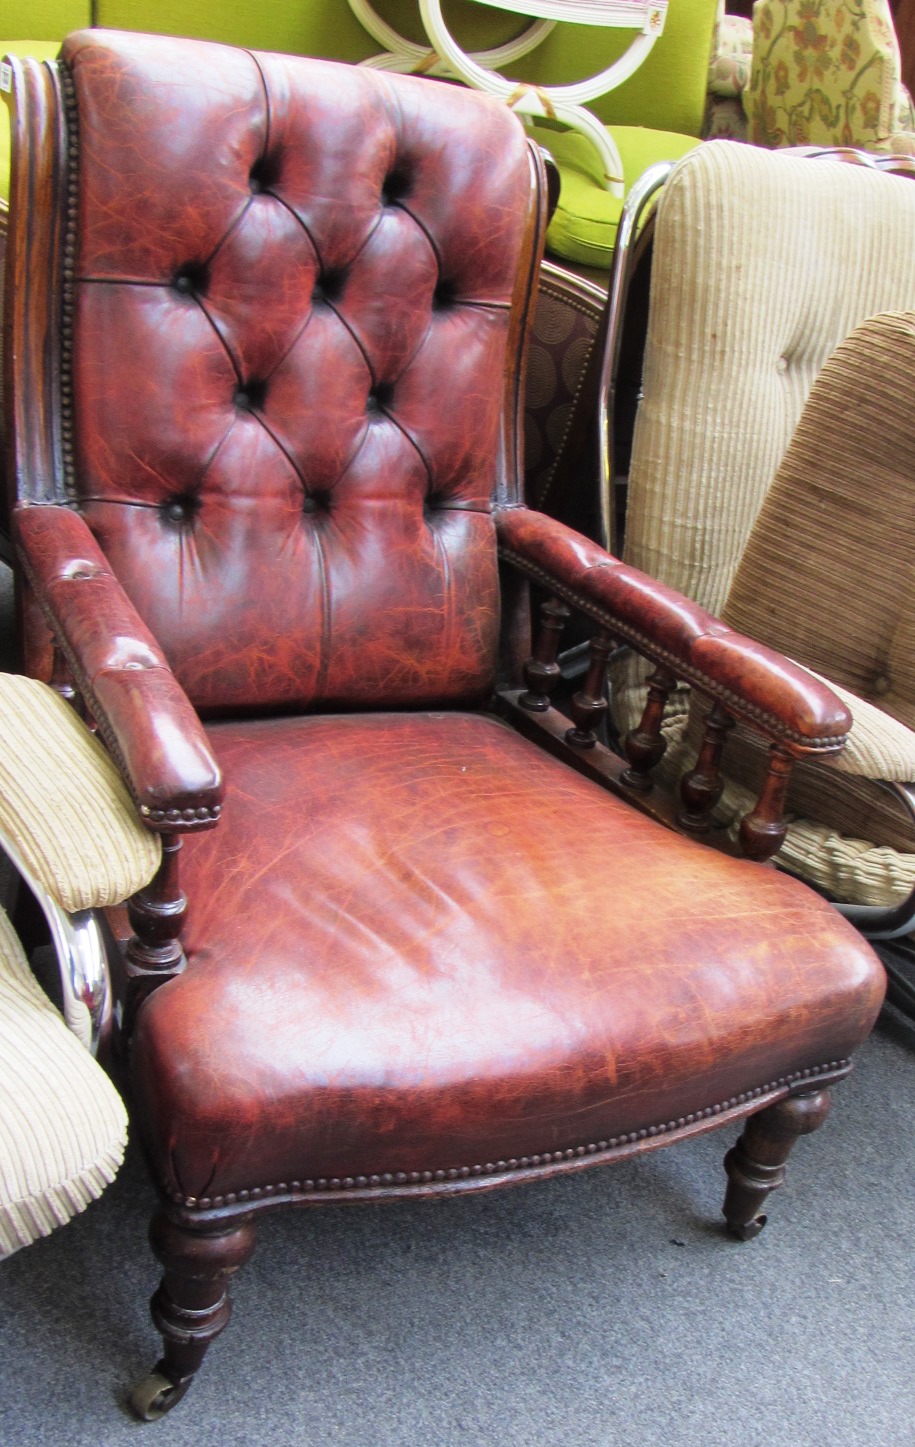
x: 600, y: 1309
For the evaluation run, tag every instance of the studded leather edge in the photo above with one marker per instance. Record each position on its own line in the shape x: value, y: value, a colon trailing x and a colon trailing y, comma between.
x: 68, y: 289
x: 404, y: 1181
x: 655, y: 650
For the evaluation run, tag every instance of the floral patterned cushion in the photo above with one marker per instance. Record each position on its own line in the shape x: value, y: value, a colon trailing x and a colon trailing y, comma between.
x: 729, y: 67
x: 824, y: 72
x: 724, y: 119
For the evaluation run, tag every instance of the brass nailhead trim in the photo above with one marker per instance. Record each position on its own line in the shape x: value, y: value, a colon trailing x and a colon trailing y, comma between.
x: 546, y: 1158
x: 71, y: 122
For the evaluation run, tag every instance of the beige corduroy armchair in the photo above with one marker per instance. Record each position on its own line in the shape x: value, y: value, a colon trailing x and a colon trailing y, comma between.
x: 71, y: 832
x: 763, y: 264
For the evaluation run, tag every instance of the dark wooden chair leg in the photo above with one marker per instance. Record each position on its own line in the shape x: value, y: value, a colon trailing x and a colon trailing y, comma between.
x: 191, y: 1306
x: 756, y: 1165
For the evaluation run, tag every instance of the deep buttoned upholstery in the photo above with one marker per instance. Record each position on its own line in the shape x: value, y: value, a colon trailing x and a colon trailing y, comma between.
x: 271, y: 487
x: 270, y: 445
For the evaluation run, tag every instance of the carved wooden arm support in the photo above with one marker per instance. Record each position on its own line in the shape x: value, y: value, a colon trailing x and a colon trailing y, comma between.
x: 776, y: 697
x: 142, y: 712
x: 799, y: 714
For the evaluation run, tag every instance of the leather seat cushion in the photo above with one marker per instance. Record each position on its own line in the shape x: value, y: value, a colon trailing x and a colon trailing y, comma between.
x: 417, y: 943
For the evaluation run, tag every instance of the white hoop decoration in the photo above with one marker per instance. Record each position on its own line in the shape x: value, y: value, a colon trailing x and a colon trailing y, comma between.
x: 402, y: 55
x: 564, y: 102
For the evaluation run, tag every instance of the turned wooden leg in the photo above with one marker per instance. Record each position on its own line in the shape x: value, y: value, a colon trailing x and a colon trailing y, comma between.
x: 756, y: 1165
x: 191, y: 1306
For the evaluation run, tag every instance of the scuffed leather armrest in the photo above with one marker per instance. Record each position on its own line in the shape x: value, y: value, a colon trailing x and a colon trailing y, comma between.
x: 142, y: 713
x: 776, y: 697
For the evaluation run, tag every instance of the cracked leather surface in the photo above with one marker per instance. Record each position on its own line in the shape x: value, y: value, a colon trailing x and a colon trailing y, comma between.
x: 416, y: 942
x: 271, y: 440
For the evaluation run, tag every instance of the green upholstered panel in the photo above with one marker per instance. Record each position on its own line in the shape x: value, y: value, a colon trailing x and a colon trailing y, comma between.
x: 325, y: 28
x: 43, y: 19
x: 584, y: 224
x: 668, y: 90
x: 310, y: 27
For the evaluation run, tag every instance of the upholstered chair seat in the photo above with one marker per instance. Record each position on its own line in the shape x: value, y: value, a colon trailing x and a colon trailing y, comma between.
x: 414, y: 932
x: 429, y: 999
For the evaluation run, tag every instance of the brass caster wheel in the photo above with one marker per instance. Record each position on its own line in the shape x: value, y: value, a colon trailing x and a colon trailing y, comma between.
x: 156, y: 1395
x: 746, y: 1232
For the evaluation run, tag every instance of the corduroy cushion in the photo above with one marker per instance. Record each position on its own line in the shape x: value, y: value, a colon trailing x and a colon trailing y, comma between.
x: 63, y: 1127
x: 732, y: 352
x: 763, y: 263
x: 63, y: 804
x: 824, y: 578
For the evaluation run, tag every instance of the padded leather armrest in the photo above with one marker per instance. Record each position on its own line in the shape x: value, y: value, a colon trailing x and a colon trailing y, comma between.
x: 775, y: 696
x: 142, y: 712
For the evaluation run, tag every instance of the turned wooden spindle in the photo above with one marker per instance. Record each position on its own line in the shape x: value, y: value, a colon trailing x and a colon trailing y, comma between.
x: 542, y: 672
x: 645, y: 745
x: 154, y: 953
x: 589, y: 703
x: 701, y: 788
x: 756, y: 1165
x: 763, y: 830
x: 192, y: 1304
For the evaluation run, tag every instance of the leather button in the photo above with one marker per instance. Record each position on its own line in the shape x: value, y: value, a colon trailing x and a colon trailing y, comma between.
x: 250, y: 396
x: 328, y: 286
x: 191, y: 280
x: 180, y: 509
x: 263, y: 174
x: 395, y: 187
x: 445, y: 294
x: 379, y: 399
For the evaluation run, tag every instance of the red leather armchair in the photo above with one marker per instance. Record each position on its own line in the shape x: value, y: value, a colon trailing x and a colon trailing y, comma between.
x: 266, y: 350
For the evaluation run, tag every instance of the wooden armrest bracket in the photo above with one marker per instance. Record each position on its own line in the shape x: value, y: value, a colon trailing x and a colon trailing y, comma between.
x: 154, y: 953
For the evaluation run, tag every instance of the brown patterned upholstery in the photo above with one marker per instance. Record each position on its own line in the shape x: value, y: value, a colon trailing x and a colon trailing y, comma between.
x: 418, y: 954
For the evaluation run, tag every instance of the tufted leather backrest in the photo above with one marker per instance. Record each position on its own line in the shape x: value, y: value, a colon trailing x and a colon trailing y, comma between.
x: 296, y: 336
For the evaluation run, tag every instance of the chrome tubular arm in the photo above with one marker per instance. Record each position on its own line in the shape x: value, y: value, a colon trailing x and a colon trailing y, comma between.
x: 642, y: 199
x: 81, y: 956
x: 879, y: 922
